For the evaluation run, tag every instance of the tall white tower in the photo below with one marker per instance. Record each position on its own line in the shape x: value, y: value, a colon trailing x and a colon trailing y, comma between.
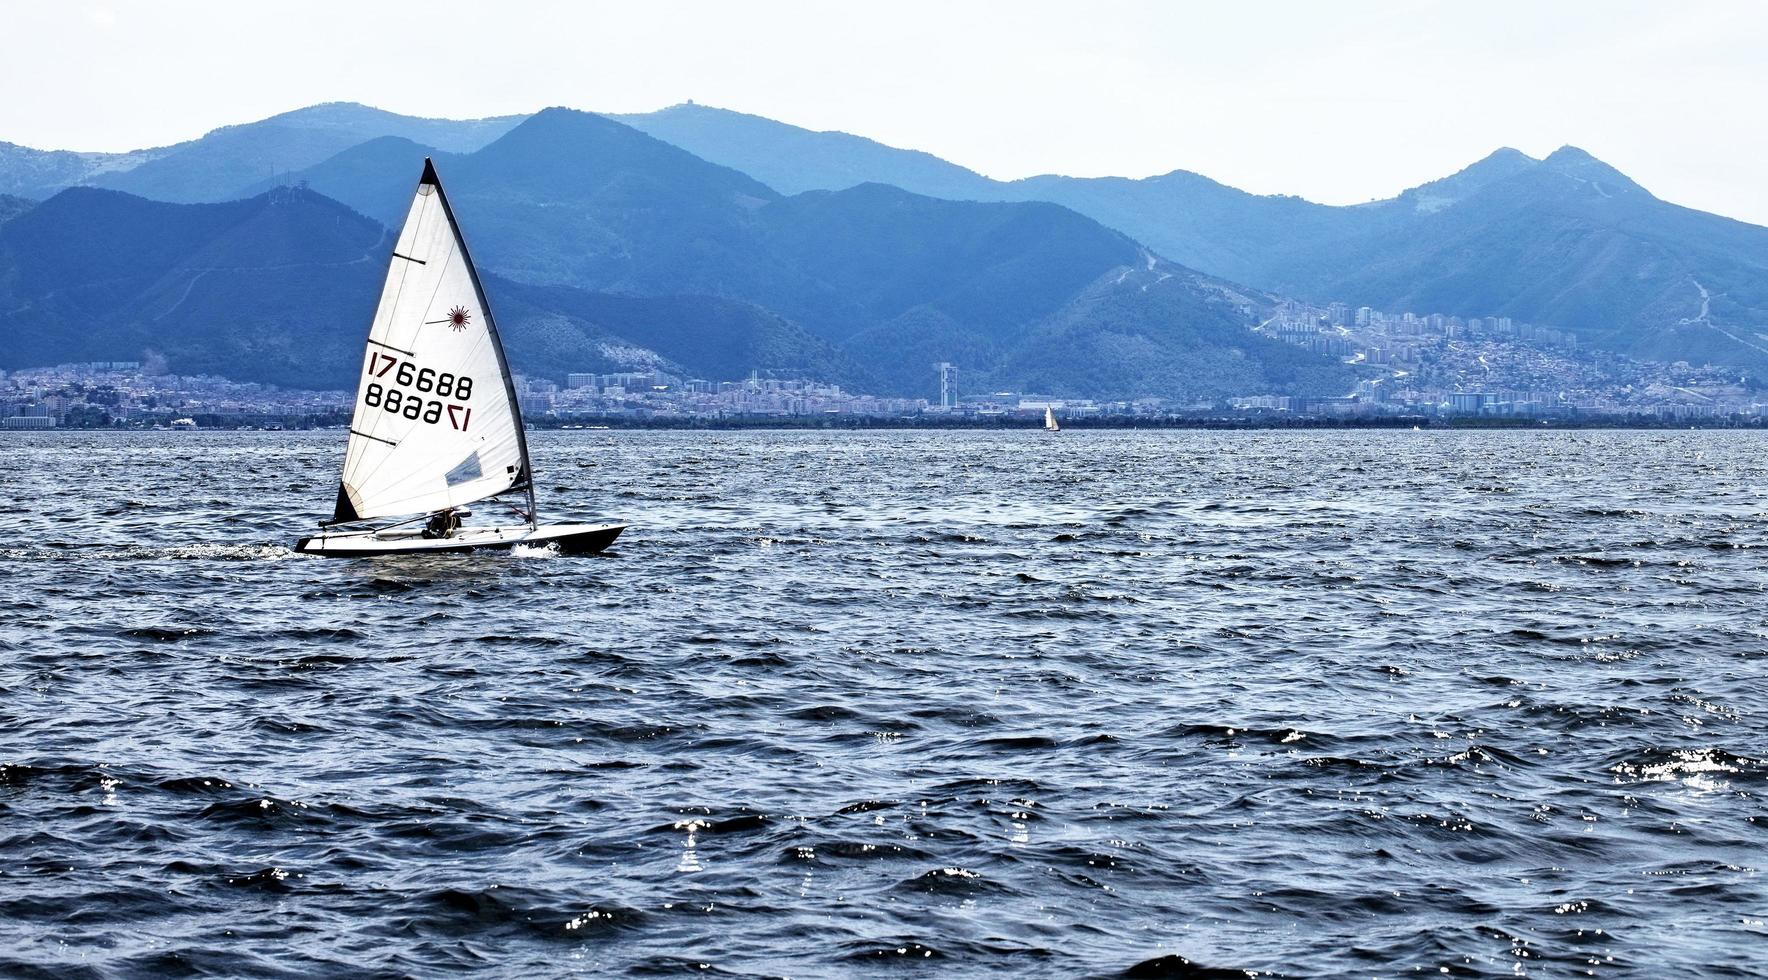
x: 948, y: 383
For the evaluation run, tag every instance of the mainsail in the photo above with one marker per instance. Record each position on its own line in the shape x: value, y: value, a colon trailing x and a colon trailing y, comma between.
x: 437, y: 424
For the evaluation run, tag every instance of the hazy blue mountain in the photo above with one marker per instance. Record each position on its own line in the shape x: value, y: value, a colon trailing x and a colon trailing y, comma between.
x: 11, y: 207
x: 574, y: 198
x: 1189, y: 218
x: 280, y: 288
x: 566, y: 329
x: 33, y: 173
x: 1161, y: 331
x: 1568, y: 241
x: 223, y: 164
x: 1446, y: 191
x: 374, y: 177
x: 577, y: 199
x: 904, y: 281
x: 257, y: 290
x: 1186, y: 217
x: 874, y: 252
x: 1248, y: 238
x: 1026, y: 297
x: 867, y: 285
x: 792, y: 160
x: 1198, y: 222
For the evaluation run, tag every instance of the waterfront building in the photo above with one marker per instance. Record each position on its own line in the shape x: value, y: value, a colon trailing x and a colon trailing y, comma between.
x: 1469, y: 402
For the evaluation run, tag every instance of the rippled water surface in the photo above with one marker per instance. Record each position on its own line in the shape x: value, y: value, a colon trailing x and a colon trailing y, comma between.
x: 935, y: 703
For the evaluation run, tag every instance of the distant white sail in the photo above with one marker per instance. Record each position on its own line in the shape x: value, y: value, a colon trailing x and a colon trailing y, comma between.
x: 436, y: 422
x: 1050, y: 419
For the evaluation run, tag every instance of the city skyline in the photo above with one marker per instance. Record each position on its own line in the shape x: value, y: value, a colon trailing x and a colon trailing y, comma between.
x: 1410, y: 365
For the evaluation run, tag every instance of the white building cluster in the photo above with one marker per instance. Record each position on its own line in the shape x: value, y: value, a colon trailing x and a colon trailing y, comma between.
x: 1436, y: 364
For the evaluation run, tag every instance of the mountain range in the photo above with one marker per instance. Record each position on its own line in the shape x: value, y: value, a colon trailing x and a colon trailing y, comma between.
x: 871, y: 262
x: 212, y: 167
x: 875, y: 283
x: 1566, y: 241
x: 279, y: 288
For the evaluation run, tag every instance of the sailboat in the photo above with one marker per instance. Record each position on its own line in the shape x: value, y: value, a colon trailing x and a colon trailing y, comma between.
x: 437, y: 425
x: 1050, y: 420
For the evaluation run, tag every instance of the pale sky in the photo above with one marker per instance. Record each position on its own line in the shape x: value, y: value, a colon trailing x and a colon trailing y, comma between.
x: 1335, y: 101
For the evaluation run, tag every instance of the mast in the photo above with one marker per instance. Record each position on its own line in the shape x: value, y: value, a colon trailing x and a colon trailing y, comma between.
x: 509, y: 384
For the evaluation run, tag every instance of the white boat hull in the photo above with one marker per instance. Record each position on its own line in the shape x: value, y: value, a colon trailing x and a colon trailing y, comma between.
x: 579, y: 539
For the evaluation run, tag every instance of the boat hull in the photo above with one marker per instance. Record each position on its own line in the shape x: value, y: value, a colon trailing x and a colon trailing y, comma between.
x: 571, y: 539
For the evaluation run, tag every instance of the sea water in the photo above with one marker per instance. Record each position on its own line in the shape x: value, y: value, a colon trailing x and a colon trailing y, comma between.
x: 950, y: 703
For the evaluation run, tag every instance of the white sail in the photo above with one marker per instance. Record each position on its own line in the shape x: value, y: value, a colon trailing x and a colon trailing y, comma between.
x: 436, y: 422
x: 1050, y: 419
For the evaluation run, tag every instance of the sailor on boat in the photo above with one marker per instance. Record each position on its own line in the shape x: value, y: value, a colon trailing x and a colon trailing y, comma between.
x: 444, y: 523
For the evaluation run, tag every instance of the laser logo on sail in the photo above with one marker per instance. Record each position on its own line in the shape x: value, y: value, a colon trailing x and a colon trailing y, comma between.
x: 458, y: 318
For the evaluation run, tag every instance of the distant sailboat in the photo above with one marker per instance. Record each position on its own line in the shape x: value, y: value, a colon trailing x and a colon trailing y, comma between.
x: 437, y: 425
x: 1050, y: 420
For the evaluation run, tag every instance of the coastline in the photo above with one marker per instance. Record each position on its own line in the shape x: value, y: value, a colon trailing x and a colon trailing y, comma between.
x: 934, y: 424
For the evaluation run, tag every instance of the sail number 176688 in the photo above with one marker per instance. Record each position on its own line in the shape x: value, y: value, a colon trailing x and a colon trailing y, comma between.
x: 427, y: 381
